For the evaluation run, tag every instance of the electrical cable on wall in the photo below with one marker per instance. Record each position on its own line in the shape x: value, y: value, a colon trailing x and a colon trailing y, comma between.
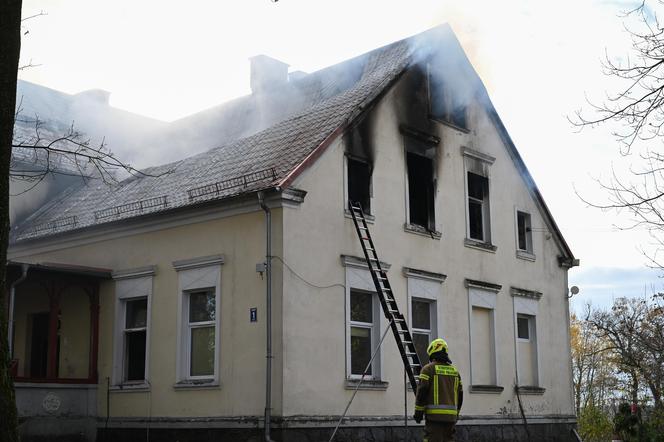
x: 301, y: 278
x: 343, y: 416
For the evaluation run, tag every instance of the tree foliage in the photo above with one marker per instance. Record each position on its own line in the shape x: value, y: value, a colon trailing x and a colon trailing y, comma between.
x: 635, y: 112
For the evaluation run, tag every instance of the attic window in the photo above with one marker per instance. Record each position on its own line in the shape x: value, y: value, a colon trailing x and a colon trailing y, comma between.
x: 446, y: 102
x: 359, y: 183
x: 524, y: 232
x: 478, y: 207
x: 420, y: 191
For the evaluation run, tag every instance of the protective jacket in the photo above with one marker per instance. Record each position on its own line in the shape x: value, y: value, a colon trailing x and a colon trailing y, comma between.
x: 439, y: 392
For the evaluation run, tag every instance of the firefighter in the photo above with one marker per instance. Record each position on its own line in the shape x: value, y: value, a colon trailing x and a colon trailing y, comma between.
x: 439, y: 394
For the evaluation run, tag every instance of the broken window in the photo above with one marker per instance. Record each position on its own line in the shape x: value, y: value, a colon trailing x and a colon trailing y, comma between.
x: 135, y: 339
x: 524, y: 232
x: 359, y: 183
x: 420, y: 191
x: 446, y: 103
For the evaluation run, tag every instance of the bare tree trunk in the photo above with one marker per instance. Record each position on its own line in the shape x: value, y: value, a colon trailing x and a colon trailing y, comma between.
x: 10, y: 36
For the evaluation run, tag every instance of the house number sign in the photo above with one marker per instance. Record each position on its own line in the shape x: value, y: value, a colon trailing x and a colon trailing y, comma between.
x: 253, y: 314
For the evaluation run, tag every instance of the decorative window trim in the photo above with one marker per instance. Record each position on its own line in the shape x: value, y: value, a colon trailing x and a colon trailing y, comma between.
x: 367, y: 384
x: 361, y: 263
x: 473, y: 283
x: 131, y: 284
x: 486, y: 389
x: 480, y: 245
x: 424, y: 274
x: 419, y: 230
x: 195, y: 263
x: 533, y: 294
x: 197, y: 274
x: 424, y: 137
x: 467, y: 151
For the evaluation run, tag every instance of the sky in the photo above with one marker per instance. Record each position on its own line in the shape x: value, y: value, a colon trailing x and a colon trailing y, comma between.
x: 540, y: 62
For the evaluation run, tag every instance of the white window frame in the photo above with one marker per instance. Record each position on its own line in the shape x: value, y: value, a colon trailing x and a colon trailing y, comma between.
x: 471, y: 156
x: 358, y: 278
x: 197, y: 275
x: 483, y: 296
x: 425, y: 286
x: 526, y: 303
x: 130, y: 285
x: 528, y: 253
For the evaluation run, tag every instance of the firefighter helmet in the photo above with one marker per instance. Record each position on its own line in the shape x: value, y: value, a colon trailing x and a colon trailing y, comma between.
x: 436, y: 346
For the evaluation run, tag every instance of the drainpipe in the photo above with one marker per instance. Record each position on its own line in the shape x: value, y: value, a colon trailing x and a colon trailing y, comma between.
x: 268, y: 316
x: 12, y: 295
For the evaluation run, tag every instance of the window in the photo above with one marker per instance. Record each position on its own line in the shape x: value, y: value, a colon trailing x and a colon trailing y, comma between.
x: 484, y: 376
x: 447, y: 103
x: 422, y: 326
x: 361, y: 331
x: 478, y: 207
x: 478, y: 211
x: 359, y: 183
x: 363, y: 325
x: 526, y: 305
x: 523, y: 327
x: 199, y: 321
x: 131, y: 347
x: 524, y: 232
x: 135, y: 339
x: 420, y: 168
x: 201, y: 332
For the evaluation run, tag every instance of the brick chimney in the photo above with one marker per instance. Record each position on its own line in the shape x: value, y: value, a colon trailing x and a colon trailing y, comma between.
x: 267, y: 73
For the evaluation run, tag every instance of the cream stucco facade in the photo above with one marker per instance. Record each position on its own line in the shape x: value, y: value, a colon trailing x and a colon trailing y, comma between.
x: 478, y: 291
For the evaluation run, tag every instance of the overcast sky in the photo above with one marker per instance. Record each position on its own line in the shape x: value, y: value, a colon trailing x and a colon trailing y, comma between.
x: 539, y: 61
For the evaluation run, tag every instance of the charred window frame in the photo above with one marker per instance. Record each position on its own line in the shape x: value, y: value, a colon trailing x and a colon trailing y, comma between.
x: 421, y: 180
x: 446, y: 103
x: 358, y: 179
x: 478, y: 206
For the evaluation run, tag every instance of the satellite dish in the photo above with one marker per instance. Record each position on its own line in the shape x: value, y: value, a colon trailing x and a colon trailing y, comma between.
x: 574, y: 290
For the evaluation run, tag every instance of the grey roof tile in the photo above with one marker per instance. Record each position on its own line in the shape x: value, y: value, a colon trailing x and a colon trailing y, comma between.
x: 329, y: 98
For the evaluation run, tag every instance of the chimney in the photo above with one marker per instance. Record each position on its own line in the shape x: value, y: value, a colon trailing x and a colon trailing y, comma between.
x: 267, y: 73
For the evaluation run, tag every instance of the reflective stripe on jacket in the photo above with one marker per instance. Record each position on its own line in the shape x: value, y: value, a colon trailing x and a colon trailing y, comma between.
x: 438, y: 392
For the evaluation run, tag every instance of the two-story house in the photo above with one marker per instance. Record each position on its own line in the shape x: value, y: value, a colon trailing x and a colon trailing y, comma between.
x: 140, y: 310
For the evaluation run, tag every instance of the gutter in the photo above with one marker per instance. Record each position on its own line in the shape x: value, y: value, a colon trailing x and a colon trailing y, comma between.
x: 10, y: 317
x: 268, y: 315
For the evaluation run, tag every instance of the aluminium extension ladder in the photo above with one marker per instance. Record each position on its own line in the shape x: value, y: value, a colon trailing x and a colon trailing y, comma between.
x: 396, y: 319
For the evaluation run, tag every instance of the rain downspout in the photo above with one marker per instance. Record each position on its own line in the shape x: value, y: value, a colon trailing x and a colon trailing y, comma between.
x: 12, y: 296
x: 268, y: 315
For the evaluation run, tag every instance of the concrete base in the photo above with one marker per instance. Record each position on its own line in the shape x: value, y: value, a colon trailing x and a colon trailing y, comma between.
x: 551, y: 432
x: 57, y: 429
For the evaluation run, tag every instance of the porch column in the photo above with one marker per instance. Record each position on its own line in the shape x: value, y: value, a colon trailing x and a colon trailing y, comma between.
x: 52, y: 365
x: 93, y: 295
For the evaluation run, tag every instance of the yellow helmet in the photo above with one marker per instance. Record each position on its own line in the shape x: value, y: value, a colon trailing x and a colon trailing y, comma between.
x: 436, y: 346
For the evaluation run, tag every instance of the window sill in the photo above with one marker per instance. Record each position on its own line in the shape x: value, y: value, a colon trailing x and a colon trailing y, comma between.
x: 527, y: 256
x: 419, y: 230
x: 367, y: 384
x: 480, y: 245
x: 198, y: 384
x: 529, y: 389
x: 486, y: 389
x: 130, y: 388
x: 370, y: 218
x: 449, y: 124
